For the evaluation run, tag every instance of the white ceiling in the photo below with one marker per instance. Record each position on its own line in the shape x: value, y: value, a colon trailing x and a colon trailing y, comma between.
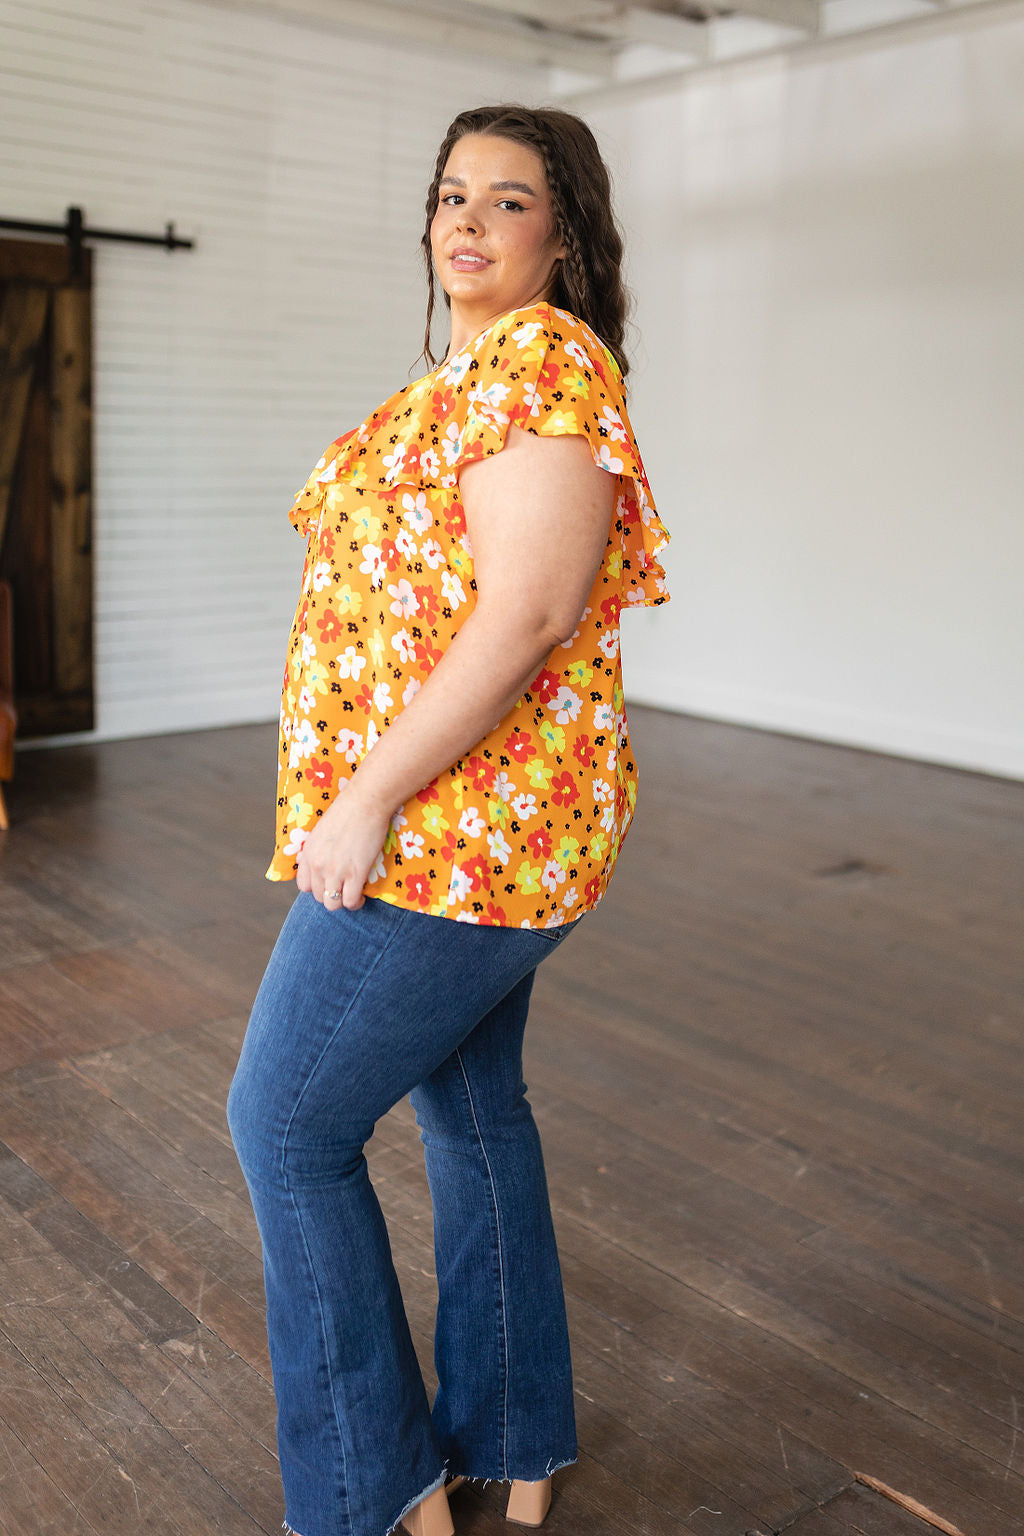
x: 594, y: 43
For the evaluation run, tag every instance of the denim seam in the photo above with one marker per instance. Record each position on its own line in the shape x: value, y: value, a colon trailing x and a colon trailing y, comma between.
x: 501, y: 1264
x: 298, y: 1217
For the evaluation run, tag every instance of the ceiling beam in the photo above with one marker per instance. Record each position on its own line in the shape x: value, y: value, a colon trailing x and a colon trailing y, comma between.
x: 805, y: 15
x: 424, y: 26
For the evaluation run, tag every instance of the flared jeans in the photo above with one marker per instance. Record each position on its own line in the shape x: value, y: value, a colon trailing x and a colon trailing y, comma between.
x: 356, y: 1010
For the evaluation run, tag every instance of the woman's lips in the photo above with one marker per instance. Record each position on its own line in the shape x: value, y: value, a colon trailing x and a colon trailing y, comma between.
x: 464, y: 261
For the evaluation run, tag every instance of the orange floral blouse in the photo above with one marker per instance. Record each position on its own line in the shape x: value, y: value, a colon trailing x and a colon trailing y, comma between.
x: 525, y: 829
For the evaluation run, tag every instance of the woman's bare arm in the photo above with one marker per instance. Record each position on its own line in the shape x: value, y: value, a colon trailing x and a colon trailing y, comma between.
x: 538, y: 517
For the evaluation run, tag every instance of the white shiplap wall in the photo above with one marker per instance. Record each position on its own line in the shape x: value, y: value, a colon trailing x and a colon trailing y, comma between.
x: 298, y: 159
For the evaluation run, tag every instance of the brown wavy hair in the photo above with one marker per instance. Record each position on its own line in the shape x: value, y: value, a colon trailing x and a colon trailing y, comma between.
x: 588, y: 281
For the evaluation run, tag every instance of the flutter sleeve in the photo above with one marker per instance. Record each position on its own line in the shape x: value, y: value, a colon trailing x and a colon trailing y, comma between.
x: 332, y: 465
x: 543, y: 370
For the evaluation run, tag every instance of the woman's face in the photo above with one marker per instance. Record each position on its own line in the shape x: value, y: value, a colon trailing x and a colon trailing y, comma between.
x: 493, y: 237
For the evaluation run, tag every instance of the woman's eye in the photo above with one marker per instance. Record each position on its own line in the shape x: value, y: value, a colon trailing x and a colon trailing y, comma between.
x: 508, y: 202
x: 452, y: 197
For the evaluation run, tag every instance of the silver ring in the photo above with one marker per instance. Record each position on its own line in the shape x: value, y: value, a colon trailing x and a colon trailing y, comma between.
x: 332, y: 895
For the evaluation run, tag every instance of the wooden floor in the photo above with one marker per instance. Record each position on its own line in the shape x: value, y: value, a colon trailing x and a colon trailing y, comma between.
x: 778, y: 1077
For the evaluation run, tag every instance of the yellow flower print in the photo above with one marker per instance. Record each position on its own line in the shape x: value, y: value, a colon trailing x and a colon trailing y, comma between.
x: 613, y: 564
x: 366, y: 526
x: 347, y: 601
x: 498, y: 812
x: 460, y: 562
x: 552, y: 736
x: 566, y: 851
x: 598, y: 846
x: 434, y: 820
x: 317, y: 677
x: 560, y: 421
x: 617, y: 697
x: 299, y: 811
x: 579, y: 672
x: 631, y: 793
x: 578, y: 384
x: 528, y: 878
x: 540, y: 773
x: 376, y: 647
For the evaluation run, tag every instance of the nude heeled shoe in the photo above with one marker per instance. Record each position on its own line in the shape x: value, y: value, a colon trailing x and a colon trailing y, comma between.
x: 528, y: 1503
x: 430, y: 1517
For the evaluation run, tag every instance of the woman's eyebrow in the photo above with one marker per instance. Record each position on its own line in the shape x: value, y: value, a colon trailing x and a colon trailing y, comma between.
x: 496, y: 186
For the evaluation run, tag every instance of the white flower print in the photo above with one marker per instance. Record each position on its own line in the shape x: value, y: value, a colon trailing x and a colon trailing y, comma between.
x: 601, y: 791
x: 609, y: 643
x: 321, y: 575
x: 308, y: 649
x: 567, y: 704
x: 405, y: 543
x: 578, y: 355
x: 532, y: 399
x: 451, y: 443
x: 304, y: 743
x: 500, y: 850
x: 395, y: 462
x: 608, y: 818
x: 411, y: 844
x: 571, y: 897
x: 605, y: 460
x: 491, y: 394
x: 350, y: 745
x: 404, y: 644
x: 382, y: 700
x: 526, y: 332
x: 524, y: 806
x: 373, y: 564
x: 432, y: 554
x: 553, y: 876
x: 459, y: 886
x: 350, y: 663
x: 452, y: 588
x: 405, y: 600
x: 610, y: 764
x: 307, y: 700
x: 504, y: 787
x: 429, y: 462
x: 412, y: 688
x: 296, y: 838
x: 399, y: 819
x: 471, y: 822
x: 613, y: 421
x: 378, y: 871
x: 604, y: 717
x: 467, y: 917
x: 372, y: 735
x: 457, y: 367
x: 416, y: 513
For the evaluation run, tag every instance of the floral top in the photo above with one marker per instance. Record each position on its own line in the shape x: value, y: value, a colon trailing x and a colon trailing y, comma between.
x: 525, y: 829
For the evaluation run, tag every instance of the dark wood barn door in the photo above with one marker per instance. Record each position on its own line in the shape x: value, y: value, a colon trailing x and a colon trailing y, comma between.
x: 46, y: 480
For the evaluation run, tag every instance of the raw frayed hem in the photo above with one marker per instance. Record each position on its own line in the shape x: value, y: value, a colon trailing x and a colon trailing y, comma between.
x: 552, y: 1467
x: 438, y: 1482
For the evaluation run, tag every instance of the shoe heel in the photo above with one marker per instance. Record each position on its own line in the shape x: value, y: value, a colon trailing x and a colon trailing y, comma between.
x: 430, y: 1517
x: 528, y: 1503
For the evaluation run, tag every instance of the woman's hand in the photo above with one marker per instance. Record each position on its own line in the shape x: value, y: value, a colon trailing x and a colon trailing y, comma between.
x: 342, y: 849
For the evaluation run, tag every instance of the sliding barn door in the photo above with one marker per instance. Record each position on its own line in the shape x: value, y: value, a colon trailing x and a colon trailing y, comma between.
x: 46, y: 480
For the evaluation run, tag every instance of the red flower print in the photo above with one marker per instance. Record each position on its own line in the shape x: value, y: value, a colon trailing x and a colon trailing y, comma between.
x: 545, y: 685
x: 519, y: 745
x: 320, y: 773
x: 329, y: 625
x: 443, y: 400
x: 539, y: 843
x: 364, y: 699
x: 455, y: 521
x: 481, y: 772
x: 427, y: 655
x: 583, y: 752
x: 478, y: 872
x: 326, y: 549
x: 389, y: 551
x: 427, y: 793
x: 429, y: 605
x: 611, y: 607
x: 564, y: 790
x: 418, y: 887
x: 591, y: 890
x: 449, y: 844
x: 630, y: 511
x: 495, y: 915
x: 549, y: 374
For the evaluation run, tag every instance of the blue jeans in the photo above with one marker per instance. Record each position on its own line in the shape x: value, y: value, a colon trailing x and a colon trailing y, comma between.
x: 356, y: 1010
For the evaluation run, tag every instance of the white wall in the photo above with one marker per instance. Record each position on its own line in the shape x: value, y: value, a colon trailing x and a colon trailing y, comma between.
x: 298, y: 159
x: 828, y: 250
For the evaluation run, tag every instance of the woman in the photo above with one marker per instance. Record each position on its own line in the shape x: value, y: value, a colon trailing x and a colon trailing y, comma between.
x: 470, y: 547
